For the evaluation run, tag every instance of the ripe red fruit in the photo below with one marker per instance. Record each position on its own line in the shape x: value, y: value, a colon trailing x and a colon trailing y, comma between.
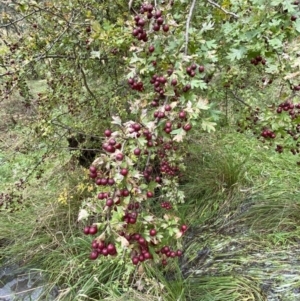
x: 104, y: 252
x: 293, y: 18
x: 183, y: 228
x: 150, y: 194
x: 107, y: 133
x: 142, y: 241
x: 166, y: 28
x: 111, y: 249
x: 86, y: 230
x: 94, y: 255
x: 109, y: 202
x: 201, y: 69
x: 124, y: 172
x: 168, y: 108
x: 174, y: 82
x: 179, y: 253
x: 187, y: 127
x: 125, y: 193
x: 182, y: 114
x: 93, y: 169
x: 193, y: 66
x: 110, y: 181
x: 156, y: 27
x: 119, y: 157
x: 135, y: 260
x: 160, y: 20
x: 93, y: 230
x: 151, y: 48
x: 135, y: 32
x: 157, y: 14
x: 93, y: 175
x: 101, y: 196
x: 137, y: 151
x: 152, y: 232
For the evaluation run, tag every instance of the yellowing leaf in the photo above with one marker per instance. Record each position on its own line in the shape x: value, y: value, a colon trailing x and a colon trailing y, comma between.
x: 124, y: 242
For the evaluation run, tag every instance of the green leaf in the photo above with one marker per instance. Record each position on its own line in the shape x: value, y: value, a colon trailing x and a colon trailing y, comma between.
x: 196, y: 83
x: 297, y: 25
x: 236, y: 54
x: 275, y: 43
x: 208, y: 126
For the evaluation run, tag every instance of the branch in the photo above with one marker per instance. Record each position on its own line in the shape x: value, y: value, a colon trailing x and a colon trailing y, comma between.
x: 86, y: 84
x: 188, y: 27
x: 16, y: 21
x: 239, y: 99
x: 222, y: 9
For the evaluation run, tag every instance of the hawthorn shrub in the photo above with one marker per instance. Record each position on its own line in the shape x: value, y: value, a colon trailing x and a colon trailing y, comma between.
x: 158, y: 71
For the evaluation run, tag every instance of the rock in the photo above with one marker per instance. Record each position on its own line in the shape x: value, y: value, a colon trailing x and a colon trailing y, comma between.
x: 18, y: 284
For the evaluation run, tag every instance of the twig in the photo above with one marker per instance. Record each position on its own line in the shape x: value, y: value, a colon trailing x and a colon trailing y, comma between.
x: 18, y: 20
x: 240, y: 100
x: 222, y: 9
x: 86, y: 84
x: 188, y: 27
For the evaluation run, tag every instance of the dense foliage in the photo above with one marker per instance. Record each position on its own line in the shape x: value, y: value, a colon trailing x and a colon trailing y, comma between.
x: 127, y: 83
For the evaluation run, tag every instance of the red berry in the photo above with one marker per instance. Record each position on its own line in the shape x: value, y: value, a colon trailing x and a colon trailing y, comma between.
x: 187, y: 127
x: 183, y: 228
x: 86, y: 230
x: 201, y: 69
x: 152, y: 232
x: 124, y: 172
x: 135, y: 260
x: 165, y: 27
x: 150, y: 194
x: 107, y: 133
x: 137, y: 151
x: 93, y: 230
x: 151, y: 48
x: 94, y: 255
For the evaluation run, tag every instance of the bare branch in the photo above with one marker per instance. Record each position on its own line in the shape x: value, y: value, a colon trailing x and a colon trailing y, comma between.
x: 188, y: 27
x: 240, y: 100
x: 222, y: 9
x: 86, y: 84
x: 16, y: 21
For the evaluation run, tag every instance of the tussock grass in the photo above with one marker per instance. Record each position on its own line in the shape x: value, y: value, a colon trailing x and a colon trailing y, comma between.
x: 224, y: 288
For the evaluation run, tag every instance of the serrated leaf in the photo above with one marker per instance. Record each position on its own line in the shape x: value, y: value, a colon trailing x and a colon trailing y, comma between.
x: 297, y: 25
x: 202, y: 104
x: 179, y: 134
x: 198, y: 83
x: 207, y: 26
x: 275, y: 43
x: 236, y: 54
x: 208, y: 126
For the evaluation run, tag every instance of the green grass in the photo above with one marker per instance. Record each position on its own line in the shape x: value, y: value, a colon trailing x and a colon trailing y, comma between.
x: 242, y: 208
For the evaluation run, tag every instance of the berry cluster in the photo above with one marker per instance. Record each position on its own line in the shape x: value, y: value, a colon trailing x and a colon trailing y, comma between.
x: 136, y: 85
x: 167, y: 252
x: 288, y: 106
x: 191, y: 70
x: 166, y: 205
x: 257, y: 60
x: 266, y: 133
x: 99, y: 247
